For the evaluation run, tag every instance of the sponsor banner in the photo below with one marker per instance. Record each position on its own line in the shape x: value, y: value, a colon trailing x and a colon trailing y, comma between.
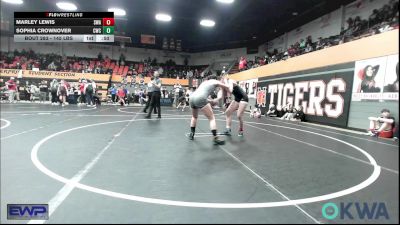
x: 324, y: 96
x: 376, y: 79
x: 70, y: 76
x: 148, y: 39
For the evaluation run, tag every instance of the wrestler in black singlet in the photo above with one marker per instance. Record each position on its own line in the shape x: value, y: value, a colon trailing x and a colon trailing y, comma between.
x: 240, y: 94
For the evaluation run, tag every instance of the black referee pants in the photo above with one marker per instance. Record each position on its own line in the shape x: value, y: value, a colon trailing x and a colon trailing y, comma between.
x: 155, y: 103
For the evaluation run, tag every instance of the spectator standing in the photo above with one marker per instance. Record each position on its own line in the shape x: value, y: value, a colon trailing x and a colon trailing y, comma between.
x: 177, y: 88
x: 17, y: 91
x: 242, y: 64
x: 302, y: 44
x: 130, y: 93
x: 62, y: 92
x: 142, y: 97
x: 121, y: 95
x: 53, y: 90
x: 189, y: 74
x: 90, y: 89
x: 82, y: 98
x: 12, y: 88
x: 43, y: 91
x: 113, y: 92
x: 34, y: 92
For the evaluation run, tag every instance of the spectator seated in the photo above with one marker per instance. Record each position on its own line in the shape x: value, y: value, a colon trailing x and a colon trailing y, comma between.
x: 382, y: 126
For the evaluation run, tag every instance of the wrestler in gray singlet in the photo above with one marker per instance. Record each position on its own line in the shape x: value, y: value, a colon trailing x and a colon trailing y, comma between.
x: 198, y: 99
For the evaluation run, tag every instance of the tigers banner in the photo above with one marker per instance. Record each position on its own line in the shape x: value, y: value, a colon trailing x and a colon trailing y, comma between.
x: 324, y: 94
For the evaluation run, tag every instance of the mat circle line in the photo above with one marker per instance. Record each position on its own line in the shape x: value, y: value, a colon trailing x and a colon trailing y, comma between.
x: 6, y: 125
x: 371, y: 179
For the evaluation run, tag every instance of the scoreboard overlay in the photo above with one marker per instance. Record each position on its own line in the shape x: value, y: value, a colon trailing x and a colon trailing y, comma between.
x: 64, y: 26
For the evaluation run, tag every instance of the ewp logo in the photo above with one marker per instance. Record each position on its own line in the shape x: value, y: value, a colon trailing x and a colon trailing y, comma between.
x: 28, y: 212
x: 364, y: 210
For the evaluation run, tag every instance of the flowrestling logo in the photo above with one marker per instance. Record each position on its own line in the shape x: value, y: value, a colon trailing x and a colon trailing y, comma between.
x: 355, y: 210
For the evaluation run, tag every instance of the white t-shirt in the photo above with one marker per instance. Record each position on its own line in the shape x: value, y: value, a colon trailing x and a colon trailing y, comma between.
x: 177, y: 88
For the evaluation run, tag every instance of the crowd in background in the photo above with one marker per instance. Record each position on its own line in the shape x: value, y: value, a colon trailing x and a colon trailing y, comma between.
x: 83, y: 92
x: 381, y: 20
x: 30, y: 60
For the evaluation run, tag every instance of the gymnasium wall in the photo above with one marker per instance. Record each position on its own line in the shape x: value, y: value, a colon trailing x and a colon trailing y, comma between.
x: 92, y: 50
x: 205, y: 58
x: 363, y: 8
x: 327, y: 82
x: 4, y: 45
x: 327, y: 25
x: 365, y: 48
x: 131, y: 54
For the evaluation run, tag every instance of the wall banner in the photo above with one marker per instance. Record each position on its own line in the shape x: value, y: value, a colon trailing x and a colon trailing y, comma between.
x: 377, y: 79
x: 324, y: 95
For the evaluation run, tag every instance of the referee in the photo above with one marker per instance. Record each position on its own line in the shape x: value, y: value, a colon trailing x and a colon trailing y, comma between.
x: 149, y: 94
x: 156, y: 96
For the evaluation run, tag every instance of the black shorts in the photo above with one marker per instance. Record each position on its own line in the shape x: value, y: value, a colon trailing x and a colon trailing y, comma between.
x: 240, y: 95
x: 63, y: 92
x: 181, y: 99
x: 241, y: 98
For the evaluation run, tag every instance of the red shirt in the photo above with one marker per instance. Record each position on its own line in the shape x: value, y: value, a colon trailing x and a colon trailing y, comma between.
x: 12, y: 85
x: 242, y: 64
x: 121, y: 93
x: 81, y: 87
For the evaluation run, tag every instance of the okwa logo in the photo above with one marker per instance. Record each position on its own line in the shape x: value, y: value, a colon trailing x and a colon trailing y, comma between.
x: 351, y: 210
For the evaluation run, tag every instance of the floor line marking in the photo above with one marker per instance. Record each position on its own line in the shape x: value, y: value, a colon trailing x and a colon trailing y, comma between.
x: 313, y: 128
x: 35, y: 129
x: 38, y: 128
x: 64, y: 192
x: 325, y: 149
x: 269, y: 185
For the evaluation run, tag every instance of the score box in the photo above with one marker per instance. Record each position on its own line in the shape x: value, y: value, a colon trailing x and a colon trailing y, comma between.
x: 108, y: 21
x: 108, y: 30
